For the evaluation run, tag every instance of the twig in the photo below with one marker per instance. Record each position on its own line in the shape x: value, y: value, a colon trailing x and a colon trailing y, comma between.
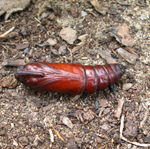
x: 119, y: 108
x: 55, y: 131
x: 37, y: 20
x: 7, y: 32
x: 125, y: 139
x: 123, y: 4
x: 51, y: 135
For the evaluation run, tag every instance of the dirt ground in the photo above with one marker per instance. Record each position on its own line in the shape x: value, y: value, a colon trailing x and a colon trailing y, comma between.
x: 35, y: 119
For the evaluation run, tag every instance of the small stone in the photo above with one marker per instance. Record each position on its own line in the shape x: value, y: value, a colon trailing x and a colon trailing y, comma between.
x: 68, y: 34
x: 83, y: 13
x: 44, y: 15
x: 145, y: 69
x: 74, y: 11
x: 26, y: 51
x: 143, y: 17
x: 138, y: 26
x: 62, y: 50
x: 51, y: 41
x: 127, y: 86
x: 99, y: 140
x: 52, y: 16
x: 23, y: 31
x: 105, y: 127
x: 147, y: 139
x: 78, y: 141
x: 2, y: 131
x: 71, y: 144
x: 23, y: 140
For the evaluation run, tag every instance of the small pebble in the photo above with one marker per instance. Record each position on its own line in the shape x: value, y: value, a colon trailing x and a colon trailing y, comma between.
x: 23, y: 140
x: 2, y: 131
x: 62, y: 50
x: 26, y: 51
x: 143, y: 17
x: 147, y: 139
x: 83, y: 13
x: 138, y: 26
x: 96, y: 104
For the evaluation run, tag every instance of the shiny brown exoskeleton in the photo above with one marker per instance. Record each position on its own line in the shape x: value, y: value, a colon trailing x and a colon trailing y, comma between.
x: 69, y: 78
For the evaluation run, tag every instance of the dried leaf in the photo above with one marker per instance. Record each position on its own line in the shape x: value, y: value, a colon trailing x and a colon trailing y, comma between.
x: 9, y: 82
x: 78, y: 114
x: 67, y: 122
x: 121, y: 33
x: 47, y: 108
x: 9, y: 6
x: 106, y: 54
x: 127, y: 56
x: 99, y: 7
x: 89, y: 115
x: 68, y: 34
x: 62, y: 50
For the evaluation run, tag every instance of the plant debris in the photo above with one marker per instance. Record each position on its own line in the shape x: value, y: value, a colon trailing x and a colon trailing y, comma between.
x: 10, y: 6
x: 106, y: 54
x: 127, y: 86
x: 67, y: 122
x: 127, y: 56
x: 99, y: 7
x: 20, y: 46
x: 9, y: 82
x: 68, y: 34
x: 121, y: 33
x: 13, y: 62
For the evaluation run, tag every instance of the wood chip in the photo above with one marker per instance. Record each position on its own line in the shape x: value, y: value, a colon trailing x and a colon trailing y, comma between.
x: 51, y: 41
x: 127, y: 56
x: 13, y: 62
x: 47, y: 108
x: 106, y: 54
x: 9, y: 82
x: 67, y: 122
x: 21, y: 46
x: 89, y: 115
x: 119, y: 108
x: 7, y: 32
x: 99, y: 7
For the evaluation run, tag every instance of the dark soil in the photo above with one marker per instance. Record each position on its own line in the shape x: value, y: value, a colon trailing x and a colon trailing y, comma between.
x: 24, y: 112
